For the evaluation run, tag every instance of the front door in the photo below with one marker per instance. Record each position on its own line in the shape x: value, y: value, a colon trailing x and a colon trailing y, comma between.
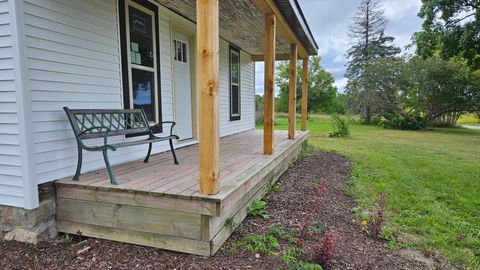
x: 183, y: 86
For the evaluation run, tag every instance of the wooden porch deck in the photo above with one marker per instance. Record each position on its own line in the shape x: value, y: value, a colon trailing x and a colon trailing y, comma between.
x: 159, y: 204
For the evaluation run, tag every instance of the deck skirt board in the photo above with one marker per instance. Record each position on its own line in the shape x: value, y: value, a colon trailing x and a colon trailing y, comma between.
x: 158, y: 204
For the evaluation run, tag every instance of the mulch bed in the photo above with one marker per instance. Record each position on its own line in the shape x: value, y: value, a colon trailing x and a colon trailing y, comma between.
x: 286, y: 208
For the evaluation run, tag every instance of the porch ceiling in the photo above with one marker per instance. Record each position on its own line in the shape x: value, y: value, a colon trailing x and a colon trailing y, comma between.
x: 241, y: 23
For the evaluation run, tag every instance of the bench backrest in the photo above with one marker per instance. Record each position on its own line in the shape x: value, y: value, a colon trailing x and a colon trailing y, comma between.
x: 91, y: 123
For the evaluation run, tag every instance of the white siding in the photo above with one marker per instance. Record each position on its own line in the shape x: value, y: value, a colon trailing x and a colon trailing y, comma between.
x: 72, y: 58
x: 247, y: 90
x: 11, y: 177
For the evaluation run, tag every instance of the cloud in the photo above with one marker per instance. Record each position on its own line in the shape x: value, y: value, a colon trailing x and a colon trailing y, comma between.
x: 340, y: 84
x: 329, y: 21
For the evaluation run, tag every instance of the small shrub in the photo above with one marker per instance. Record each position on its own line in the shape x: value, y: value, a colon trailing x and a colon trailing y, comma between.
x: 377, y: 222
x: 323, y: 251
x: 257, y: 209
x: 403, y: 122
x: 341, y: 126
x: 468, y: 119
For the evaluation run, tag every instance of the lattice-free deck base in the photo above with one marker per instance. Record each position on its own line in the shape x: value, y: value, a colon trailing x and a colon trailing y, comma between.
x: 159, y: 204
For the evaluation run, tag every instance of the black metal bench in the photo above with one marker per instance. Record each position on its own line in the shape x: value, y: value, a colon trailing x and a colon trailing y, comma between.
x: 90, y: 124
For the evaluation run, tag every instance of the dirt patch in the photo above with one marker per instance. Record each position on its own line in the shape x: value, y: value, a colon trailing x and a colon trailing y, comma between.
x: 286, y: 207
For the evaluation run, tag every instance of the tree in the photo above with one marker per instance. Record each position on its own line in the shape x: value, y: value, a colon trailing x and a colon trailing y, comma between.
x: 414, y: 93
x: 321, y: 92
x: 370, y: 44
x: 451, y: 28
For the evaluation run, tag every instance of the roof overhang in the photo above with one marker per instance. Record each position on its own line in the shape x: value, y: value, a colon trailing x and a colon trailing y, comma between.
x: 293, y: 14
x: 242, y: 24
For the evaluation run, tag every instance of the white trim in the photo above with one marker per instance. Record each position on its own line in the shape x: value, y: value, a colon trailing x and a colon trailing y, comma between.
x: 24, y: 105
x: 154, y: 69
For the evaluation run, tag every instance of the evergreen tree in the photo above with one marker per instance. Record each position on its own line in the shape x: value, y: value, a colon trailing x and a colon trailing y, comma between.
x: 370, y: 44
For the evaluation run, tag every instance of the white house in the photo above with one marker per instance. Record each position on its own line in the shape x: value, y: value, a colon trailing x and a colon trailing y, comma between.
x: 105, y: 54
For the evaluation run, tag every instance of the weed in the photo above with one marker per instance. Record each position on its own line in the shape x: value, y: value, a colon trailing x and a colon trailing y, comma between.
x: 389, y: 234
x: 257, y: 209
x: 231, y: 224
x: 276, y: 188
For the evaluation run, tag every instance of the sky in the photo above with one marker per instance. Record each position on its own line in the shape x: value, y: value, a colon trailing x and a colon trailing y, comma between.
x: 329, y: 21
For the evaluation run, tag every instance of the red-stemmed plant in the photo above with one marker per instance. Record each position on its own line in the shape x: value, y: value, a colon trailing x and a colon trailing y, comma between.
x: 322, y: 251
x: 376, y: 224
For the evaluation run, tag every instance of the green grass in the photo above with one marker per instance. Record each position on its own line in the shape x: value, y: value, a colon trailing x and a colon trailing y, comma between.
x: 432, y: 180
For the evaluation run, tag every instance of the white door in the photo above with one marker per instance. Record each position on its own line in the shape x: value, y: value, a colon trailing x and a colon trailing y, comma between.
x: 183, y: 86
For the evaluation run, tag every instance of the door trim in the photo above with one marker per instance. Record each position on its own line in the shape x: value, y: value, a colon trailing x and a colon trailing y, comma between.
x: 192, y: 69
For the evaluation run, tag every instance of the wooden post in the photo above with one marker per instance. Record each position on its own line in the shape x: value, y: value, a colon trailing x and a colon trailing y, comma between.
x: 208, y: 69
x: 292, y: 92
x: 304, y: 94
x: 269, y: 91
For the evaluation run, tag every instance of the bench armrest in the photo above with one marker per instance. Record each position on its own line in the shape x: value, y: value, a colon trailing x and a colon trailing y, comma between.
x: 105, y: 138
x: 172, y: 124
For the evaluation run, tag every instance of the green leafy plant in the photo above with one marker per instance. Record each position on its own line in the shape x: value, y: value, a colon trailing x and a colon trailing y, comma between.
x: 341, y: 126
x: 317, y: 229
x: 259, y: 244
x: 281, y: 233
x: 231, y: 224
x: 257, y: 209
x: 291, y: 257
x: 275, y: 188
x: 277, y: 231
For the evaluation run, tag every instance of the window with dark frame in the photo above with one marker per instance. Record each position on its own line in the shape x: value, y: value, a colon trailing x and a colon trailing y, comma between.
x: 139, y: 32
x: 235, y: 95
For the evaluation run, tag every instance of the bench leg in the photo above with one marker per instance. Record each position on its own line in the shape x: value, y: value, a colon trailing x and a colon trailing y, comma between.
x: 149, y: 151
x: 113, y: 181
x: 79, y: 164
x: 173, y: 152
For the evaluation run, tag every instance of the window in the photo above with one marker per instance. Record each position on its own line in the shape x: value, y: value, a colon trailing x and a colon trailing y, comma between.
x: 180, y: 51
x: 140, y: 58
x: 234, y: 84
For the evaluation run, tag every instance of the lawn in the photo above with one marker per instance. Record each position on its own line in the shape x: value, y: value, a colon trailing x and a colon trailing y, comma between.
x: 432, y: 180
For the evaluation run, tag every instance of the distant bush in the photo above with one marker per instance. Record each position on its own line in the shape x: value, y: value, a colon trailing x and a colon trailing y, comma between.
x: 467, y: 119
x: 341, y: 126
x: 402, y: 121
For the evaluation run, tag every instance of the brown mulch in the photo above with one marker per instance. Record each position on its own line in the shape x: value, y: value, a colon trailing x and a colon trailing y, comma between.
x: 353, y: 248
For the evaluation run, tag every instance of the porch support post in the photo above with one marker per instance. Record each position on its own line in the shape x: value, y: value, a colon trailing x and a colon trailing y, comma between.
x: 304, y: 94
x: 292, y: 92
x: 269, y: 94
x: 208, y: 69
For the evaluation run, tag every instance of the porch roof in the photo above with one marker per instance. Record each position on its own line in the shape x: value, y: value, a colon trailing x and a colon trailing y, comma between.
x: 241, y: 23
